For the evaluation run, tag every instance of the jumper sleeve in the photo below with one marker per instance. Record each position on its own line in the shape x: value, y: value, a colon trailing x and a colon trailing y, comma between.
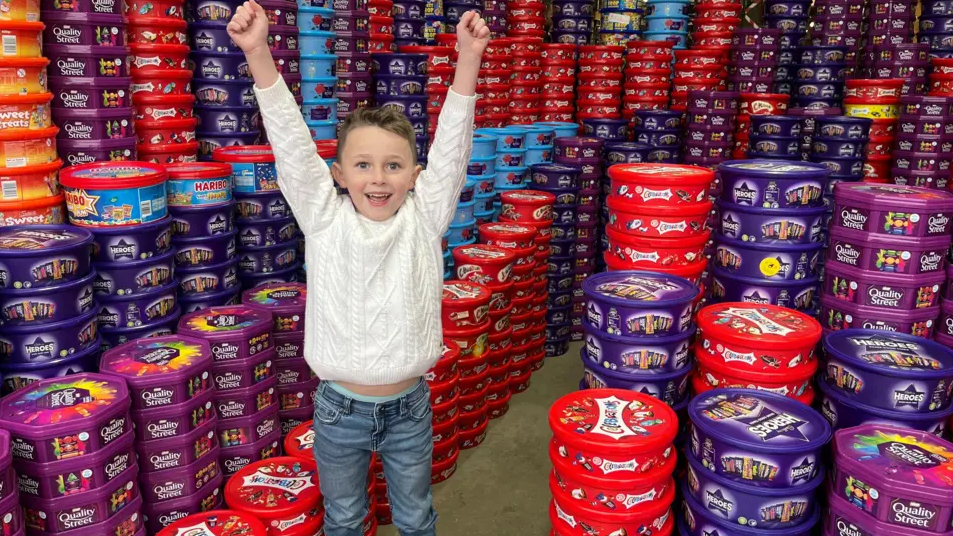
x: 438, y: 187
x: 304, y: 178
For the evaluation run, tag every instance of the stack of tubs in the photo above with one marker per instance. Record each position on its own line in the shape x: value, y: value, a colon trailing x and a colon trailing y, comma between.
x: 937, y: 7
x: 772, y: 136
x: 494, y: 13
x: 648, y: 67
x: 929, y: 154
x: 845, y: 30
x: 400, y: 81
x: 660, y: 130
x: 171, y: 381
x: 47, y: 304
x: 638, y: 333
x: 483, y: 195
x: 819, y: 77
x: 878, y: 376
x: 658, y: 217
x: 493, y: 84
x: 539, y: 143
x: 573, y: 22
x: 885, y: 262
x: 286, y: 304
x: 791, y: 19
x: 559, y: 70
x: 410, y: 18
x: 510, y: 150
x: 667, y: 20
x: 599, y: 94
x: 74, y: 459
x: 129, y: 220
x: 755, y: 104
x: 882, y: 132
x: 746, y: 471
x: 381, y: 24
x: 89, y: 68
x: 247, y: 397
x: 594, y: 190
x: 899, y: 61
x: 709, y: 145
x: 162, y: 78
x: 351, y: 46
x: 840, y: 144
x: 697, y: 61
x: 526, y: 82
x: 753, y: 60
x: 618, y: 484
x: 935, y: 31
x: 768, y: 248
x: 440, y: 64
x: 715, y: 32
x: 267, y: 239
x: 526, y: 19
x: 618, y: 25
x: 318, y: 63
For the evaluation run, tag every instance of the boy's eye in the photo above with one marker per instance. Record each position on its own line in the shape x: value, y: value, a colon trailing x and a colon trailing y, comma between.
x: 393, y: 166
x: 363, y: 165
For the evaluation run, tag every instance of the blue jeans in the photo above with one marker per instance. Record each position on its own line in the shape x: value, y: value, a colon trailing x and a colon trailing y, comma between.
x: 347, y: 431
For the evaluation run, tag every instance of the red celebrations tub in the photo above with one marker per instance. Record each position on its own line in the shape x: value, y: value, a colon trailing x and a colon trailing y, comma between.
x: 758, y: 346
x: 612, y: 457
x: 657, y: 221
x: 217, y: 523
x: 115, y: 193
x: 660, y: 185
x: 527, y: 206
x: 466, y: 305
x: 299, y: 443
x: 484, y: 264
x: 281, y: 492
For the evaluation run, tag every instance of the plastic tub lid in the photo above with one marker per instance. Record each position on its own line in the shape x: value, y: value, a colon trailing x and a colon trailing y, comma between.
x: 155, y: 361
x: 892, y: 195
x: 917, y: 358
x: 628, y: 288
x: 505, y: 231
x: 198, y: 170
x: 244, y: 154
x: 774, y: 169
x: 753, y: 325
x: 224, y: 321
x: 113, y: 175
x: 277, y: 298
x: 217, y: 523
x: 655, y: 173
x: 41, y: 240
x: 274, y: 488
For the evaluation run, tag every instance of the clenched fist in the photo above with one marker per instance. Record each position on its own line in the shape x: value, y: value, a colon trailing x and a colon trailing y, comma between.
x: 249, y: 27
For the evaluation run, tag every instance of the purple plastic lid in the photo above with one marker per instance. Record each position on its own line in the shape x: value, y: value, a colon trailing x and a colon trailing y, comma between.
x: 6, y: 455
x: 632, y: 288
x: 228, y: 320
x: 909, y: 356
x: 773, y: 169
x: 158, y: 360
x: 29, y: 241
x: 57, y: 82
x: 57, y: 405
x: 277, y: 297
x: 759, y: 421
x: 891, y: 195
x: 909, y: 463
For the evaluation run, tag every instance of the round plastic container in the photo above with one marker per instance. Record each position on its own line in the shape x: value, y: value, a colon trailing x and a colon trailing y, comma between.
x: 133, y: 193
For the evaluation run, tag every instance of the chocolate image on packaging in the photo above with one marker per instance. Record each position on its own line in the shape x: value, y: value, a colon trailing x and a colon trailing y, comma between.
x: 115, y: 311
x: 840, y: 314
x: 119, y: 244
x: 198, y: 222
x: 164, y: 454
x: 49, y: 342
x: 54, y: 303
x: 40, y: 256
x: 168, y: 422
x: 887, y: 254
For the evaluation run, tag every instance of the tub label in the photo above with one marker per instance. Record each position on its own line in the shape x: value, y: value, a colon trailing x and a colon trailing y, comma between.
x: 717, y: 502
x: 846, y: 528
x: 853, y: 218
x: 568, y: 519
x: 804, y: 471
x: 770, y: 424
x: 913, y: 514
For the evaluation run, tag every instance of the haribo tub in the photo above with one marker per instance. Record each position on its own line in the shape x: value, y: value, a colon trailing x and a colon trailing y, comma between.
x: 115, y: 193
x: 756, y: 437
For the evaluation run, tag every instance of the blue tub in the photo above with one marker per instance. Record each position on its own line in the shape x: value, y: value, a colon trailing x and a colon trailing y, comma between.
x: 667, y: 23
x: 484, y: 145
x: 320, y: 110
x: 538, y: 136
x: 539, y: 155
x: 482, y: 166
x: 484, y: 203
x: 464, y: 212
x: 512, y: 177
x: 511, y: 158
x: 315, y: 42
x: 318, y: 65
x: 315, y: 19
x: 460, y: 233
x: 562, y: 129
x: 509, y: 137
x: 676, y: 37
x: 323, y: 130
x: 486, y: 216
x: 667, y: 8
x: 326, y: 4
x: 318, y: 88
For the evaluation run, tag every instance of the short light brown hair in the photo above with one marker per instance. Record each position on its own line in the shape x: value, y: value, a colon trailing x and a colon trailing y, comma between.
x: 387, y: 118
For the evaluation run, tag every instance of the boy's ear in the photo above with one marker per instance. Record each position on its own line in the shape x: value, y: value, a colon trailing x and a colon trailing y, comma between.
x: 413, y: 180
x: 338, y: 174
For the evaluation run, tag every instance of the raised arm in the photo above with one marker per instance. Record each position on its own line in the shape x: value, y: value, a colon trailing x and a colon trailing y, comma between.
x: 438, y: 187
x: 303, y: 176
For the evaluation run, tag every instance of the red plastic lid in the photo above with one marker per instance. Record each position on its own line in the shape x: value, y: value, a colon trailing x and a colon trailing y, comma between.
x: 152, y: 75
x: 717, y: 364
x: 36, y: 98
x: 758, y: 326
x: 146, y: 99
x: 656, y: 173
x: 113, y: 175
x: 299, y: 442
x: 608, y: 76
x: 167, y: 22
x: 274, y: 488
x: 244, y: 154
x: 177, y: 148
x: 216, y: 523
x: 183, y: 123
x: 24, y: 62
x: 558, y: 46
x: 451, y: 352
x: 888, y: 82
x: 482, y: 254
x: 699, y: 51
x: 645, y: 241
x: 16, y: 25
x: 765, y: 96
x: 614, y: 421
x: 618, y: 49
x: 20, y: 134
x: 507, y: 231
x: 43, y: 202
x: 160, y: 48
x: 528, y: 197
x: 884, y: 101
x: 692, y: 209
x: 327, y: 148
x: 652, y: 44
x: 465, y: 293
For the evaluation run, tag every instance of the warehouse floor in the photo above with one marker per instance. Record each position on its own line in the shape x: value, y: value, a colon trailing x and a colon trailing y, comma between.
x: 502, y: 486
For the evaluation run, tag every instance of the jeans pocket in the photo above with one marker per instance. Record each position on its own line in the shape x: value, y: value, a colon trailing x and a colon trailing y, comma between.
x: 325, y: 413
x: 420, y: 409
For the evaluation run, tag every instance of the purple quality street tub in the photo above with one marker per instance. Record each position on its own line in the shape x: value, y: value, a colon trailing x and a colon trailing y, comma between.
x: 889, y: 370
x: 203, y: 221
x: 247, y: 430
x: 289, y: 345
x: 47, y: 342
x: 84, y: 509
x: 190, y: 252
x: 297, y: 395
x: 840, y: 314
x: 293, y: 371
x: 671, y: 388
x: 64, y: 418
x: 757, y: 437
x: 128, y: 243
x: 248, y: 401
x: 895, y: 475
x: 161, y: 371
x: 158, y: 515
x: 131, y: 277
x: 87, y: 61
x: 265, y: 205
x: 638, y: 304
x: 137, y: 310
x: 770, y: 226
x: 243, y: 373
x: 880, y: 253
x: 43, y: 305
x: 164, y: 454
x: 889, y: 209
x: 169, y: 422
x: 114, y: 123
x: 233, y: 459
x: 744, y: 504
x: 115, y: 336
x: 91, y: 93
x: 180, y: 482
x: 767, y: 261
x: 845, y: 517
x: 637, y: 355
x: 201, y: 280
x: 842, y: 412
x: 798, y: 295
x: 234, y: 332
x: 773, y: 183
x: 77, y: 475
x: 43, y: 255
x: 877, y: 289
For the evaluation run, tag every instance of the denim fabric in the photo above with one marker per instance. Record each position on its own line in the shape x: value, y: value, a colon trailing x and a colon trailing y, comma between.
x: 347, y: 432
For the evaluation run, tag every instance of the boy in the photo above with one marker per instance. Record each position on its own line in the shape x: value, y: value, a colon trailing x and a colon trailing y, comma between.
x: 375, y: 276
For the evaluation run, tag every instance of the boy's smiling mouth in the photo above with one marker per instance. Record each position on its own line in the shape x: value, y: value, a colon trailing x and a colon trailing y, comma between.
x: 378, y: 200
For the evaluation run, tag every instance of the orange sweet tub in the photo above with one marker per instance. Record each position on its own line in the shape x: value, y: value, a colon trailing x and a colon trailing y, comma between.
x: 20, y: 10
x: 23, y: 76
x: 30, y: 182
x: 44, y: 211
x: 21, y: 39
x: 28, y: 148
x: 25, y: 112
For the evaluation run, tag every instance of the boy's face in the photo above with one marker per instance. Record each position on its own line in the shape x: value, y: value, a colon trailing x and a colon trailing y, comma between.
x: 377, y: 169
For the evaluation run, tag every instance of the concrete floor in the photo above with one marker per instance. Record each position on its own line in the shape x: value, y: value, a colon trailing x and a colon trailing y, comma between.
x: 502, y: 486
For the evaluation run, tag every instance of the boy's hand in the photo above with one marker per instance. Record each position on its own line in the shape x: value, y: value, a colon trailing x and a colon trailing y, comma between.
x: 249, y: 27
x: 473, y: 35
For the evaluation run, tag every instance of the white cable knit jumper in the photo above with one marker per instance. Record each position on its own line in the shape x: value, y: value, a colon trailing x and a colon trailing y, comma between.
x: 374, y: 288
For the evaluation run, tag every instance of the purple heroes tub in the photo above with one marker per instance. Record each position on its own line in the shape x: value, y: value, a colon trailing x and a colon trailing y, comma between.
x: 127, y: 278
x: 842, y: 412
x: 266, y: 205
x: 775, y: 261
x: 116, y: 244
x: 43, y: 255
x: 197, y: 222
x: 267, y: 232
x: 672, y: 388
x: 62, y: 418
x: 876, y: 289
x: 48, y: 342
x: 773, y: 183
x: 204, y: 251
x: 139, y: 309
x: 889, y: 370
x: 638, y: 355
x: 267, y: 259
x: 44, y: 305
x: 883, y: 253
x: 696, y: 520
x: 162, y: 454
x: 756, y: 437
x: 181, y: 482
x: 203, y: 280
x: 234, y: 332
x: 114, y: 336
x: 888, y: 209
x: 770, y: 226
x: 897, y: 476
x: 743, y: 504
x: 161, y: 371
x: 798, y: 295
x: 168, y: 422
x: 639, y: 304
x: 16, y: 376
